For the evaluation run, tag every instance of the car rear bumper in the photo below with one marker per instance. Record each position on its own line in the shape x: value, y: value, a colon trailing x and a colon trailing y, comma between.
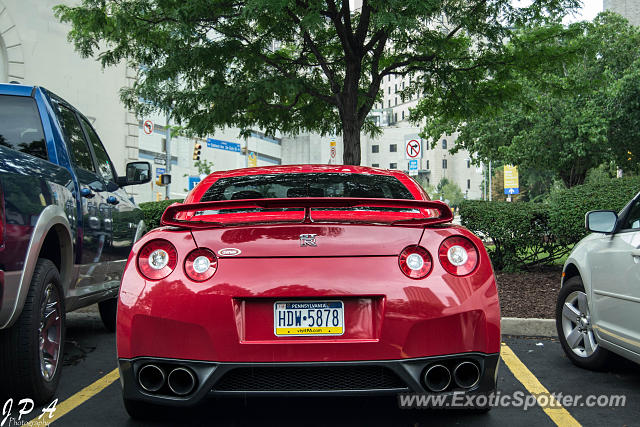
x: 353, y: 378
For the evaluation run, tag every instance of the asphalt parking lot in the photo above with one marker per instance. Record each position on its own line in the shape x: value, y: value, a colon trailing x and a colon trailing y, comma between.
x: 89, y: 393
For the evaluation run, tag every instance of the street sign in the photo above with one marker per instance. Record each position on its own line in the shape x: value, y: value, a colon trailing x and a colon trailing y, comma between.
x: 147, y: 127
x: 160, y: 161
x: 252, y: 159
x: 160, y: 171
x: 511, y: 184
x: 193, y: 181
x: 223, y: 145
x: 413, y: 148
x: 413, y: 167
x: 333, y: 152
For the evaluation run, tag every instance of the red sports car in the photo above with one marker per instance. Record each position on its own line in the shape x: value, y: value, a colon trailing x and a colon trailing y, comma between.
x: 306, y: 280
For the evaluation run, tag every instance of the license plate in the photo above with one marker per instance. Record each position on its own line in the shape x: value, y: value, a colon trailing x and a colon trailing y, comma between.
x: 303, y: 318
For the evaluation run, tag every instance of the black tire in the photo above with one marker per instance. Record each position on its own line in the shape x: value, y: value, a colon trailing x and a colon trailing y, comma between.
x: 139, y: 410
x: 108, y: 313
x: 21, y: 375
x: 599, y: 358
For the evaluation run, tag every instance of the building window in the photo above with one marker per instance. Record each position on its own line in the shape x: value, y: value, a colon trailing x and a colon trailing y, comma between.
x: 395, y: 117
x: 468, y: 184
x: 389, y: 89
x: 396, y: 88
x: 393, y: 148
x: 375, y: 148
x: 389, y: 103
x: 402, y: 114
x: 468, y: 163
x: 396, y: 100
x: 393, y: 166
x: 427, y: 164
x: 375, y: 165
x: 444, y: 163
x: 402, y: 85
x: 444, y: 144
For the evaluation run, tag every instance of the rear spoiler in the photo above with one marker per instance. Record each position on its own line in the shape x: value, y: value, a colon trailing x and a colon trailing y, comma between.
x: 172, y: 217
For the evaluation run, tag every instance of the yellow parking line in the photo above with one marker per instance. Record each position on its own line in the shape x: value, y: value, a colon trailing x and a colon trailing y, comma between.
x: 554, y: 410
x: 77, y: 399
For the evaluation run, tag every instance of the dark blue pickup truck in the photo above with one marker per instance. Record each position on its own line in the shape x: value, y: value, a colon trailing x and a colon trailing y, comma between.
x: 66, y: 230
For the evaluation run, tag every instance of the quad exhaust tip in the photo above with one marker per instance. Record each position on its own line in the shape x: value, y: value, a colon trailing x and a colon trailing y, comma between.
x: 151, y: 378
x: 181, y: 381
x: 466, y: 375
x: 437, y: 378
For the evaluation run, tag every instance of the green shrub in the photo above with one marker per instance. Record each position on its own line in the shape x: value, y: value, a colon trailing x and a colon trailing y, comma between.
x: 567, y: 208
x: 519, y: 232
x: 153, y: 212
x: 526, y: 234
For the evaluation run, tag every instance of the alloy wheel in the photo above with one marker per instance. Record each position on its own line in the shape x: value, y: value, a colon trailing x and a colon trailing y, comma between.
x: 576, y: 325
x: 50, y: 332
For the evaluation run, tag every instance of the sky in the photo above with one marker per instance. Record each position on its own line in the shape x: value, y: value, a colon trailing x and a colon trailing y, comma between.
x: 589, y: 10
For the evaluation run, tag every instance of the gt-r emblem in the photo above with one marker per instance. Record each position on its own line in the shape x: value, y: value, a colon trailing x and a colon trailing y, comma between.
x: 229, y: 252
x: 308, y: 240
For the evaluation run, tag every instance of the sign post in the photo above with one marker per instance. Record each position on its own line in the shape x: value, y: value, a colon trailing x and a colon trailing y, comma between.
x: 511, y: 181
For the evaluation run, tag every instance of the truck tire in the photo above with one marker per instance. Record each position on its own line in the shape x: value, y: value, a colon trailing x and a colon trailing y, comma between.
x: 108, y: 312
x: 32, y: 349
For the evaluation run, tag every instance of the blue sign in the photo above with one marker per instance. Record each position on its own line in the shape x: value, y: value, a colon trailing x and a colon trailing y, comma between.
x: 193, y: 181
x: 223, y: 145
x: 413, y: 165
x: 511, y: 191
x: 159, y: 171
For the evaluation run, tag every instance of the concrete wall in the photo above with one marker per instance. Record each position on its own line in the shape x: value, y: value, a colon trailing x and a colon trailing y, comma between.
x: 630, y: 9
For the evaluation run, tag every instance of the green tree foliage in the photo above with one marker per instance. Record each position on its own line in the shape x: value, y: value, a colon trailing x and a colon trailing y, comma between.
x: 446, y: 191
x: 574, y: 116
x: 308, y: 65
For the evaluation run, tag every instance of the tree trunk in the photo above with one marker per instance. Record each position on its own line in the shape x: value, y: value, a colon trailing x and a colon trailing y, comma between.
x: 351, y: 142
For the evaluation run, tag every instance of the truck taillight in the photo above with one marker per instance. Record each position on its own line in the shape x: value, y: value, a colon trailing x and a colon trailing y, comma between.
x: 157, y: 259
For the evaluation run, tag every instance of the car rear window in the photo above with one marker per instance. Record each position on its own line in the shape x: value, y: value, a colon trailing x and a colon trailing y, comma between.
x: 20, y: 127
x: 307, y: 185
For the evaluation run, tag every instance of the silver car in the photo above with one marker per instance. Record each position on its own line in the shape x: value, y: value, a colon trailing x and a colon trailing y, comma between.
x: 598, y: 309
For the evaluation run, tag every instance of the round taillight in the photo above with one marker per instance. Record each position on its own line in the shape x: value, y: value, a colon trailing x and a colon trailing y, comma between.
x: 200, y: 264
x: 157, y: 259
x: 415, y: 262
x: 458, y: 255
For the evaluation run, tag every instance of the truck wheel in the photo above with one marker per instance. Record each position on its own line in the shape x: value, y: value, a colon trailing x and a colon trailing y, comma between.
x: 108, y: 312
x: 32, y: 349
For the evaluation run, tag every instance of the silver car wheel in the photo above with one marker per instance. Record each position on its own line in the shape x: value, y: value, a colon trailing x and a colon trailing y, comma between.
x: 576, y: 325
x: 50, y: 332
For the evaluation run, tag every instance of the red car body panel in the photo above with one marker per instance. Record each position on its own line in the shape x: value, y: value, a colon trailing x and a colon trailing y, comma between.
x: 230, y: 317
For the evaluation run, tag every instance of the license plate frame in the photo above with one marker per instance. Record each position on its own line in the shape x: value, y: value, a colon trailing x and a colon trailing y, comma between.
x: 305, y: 330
